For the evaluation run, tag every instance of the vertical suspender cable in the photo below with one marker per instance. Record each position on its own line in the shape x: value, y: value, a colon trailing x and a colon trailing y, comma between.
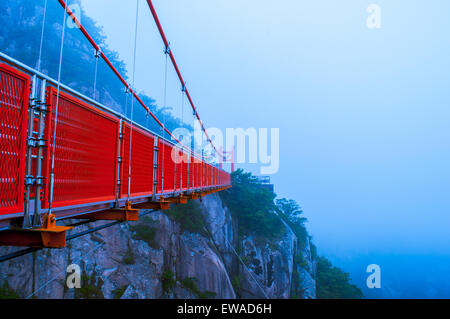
x: 166, y: 50
x: 174, y: 63
x: 203, y: 161
x: 30, y: 220
x: 132, y: 100
x: 42, y: 36
x: 97, y: 55
x: 193, y: 151
x: 182, y: 152
x: 182, y: 148
x: 52, y: 171
x: 126, y: 102
x: 183, y: 88
x: 110, y: 65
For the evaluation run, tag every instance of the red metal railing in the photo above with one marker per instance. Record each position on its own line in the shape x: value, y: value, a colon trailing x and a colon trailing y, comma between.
x: 168, y: 166
x: 85, y: 152
x: 142, y: 160
x: 14, y: 94
x: 91, y: 148
x: 108, y: 62
x: 184, y: 169
x: 177, y: 70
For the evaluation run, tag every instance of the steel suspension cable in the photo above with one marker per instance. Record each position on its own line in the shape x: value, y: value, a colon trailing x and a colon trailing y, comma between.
x: 203, y: 160
x: 248, y: 270
x: 182, y: 159
x: 42, y: 36
x: 193, y: 159
x: 52, y: 171
x: 65, y: 270
x: 95, y: 73
x: 175, y: 65
x: 182, y: 104
x: 110, y: 65
x: 211, y: 235
x: 26, y: 251
x: 132, y: 100
x: 165, y: 88
x: 164, y: 119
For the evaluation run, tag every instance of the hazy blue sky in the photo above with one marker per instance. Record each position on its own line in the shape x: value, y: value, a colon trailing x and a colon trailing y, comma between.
x: 363, y: 114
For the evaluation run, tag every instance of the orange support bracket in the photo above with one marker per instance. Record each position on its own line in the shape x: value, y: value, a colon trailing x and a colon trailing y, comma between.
x: 127, y: 213
x: 161, y: 204
x: 193, y: 196
x: 204, y: 193
x: 178, y: 200
x: 48, y: 236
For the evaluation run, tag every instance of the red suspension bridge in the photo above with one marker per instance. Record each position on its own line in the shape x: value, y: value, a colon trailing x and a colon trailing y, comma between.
x: 66, y: 156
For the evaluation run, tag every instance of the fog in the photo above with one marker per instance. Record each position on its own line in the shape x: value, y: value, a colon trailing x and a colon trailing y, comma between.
x: 364, y: 114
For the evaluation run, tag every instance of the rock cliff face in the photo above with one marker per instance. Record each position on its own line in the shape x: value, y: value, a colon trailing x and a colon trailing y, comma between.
x: 156, y: 258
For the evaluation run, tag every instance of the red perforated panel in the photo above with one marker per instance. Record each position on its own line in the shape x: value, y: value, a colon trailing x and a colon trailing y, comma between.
x: 14, y: 94
x: 211, y: 172
x: 177, y: 158
x: 141, y: 162
x: 184, y: 165
x: 165, y: 152
x: 191, y: 172
x: 85, y: 152
x: 209, y: 175
x: 160, y: 167
x: 204, y: 174
x: 198, y: 173
x: 159, y: 170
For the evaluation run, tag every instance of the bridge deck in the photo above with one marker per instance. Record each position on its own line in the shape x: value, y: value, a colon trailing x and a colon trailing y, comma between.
x: 91, y: 151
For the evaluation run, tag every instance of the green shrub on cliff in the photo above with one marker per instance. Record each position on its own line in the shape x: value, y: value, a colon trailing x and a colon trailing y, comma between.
x: 168, y: 281
x: 91, y: 286
x: 118, y: 292
x: 291, y: 213
x: 333, y: 283
x: 253, y: 206
x: 145, y: 230
x: 190, y: 283
x: 257, y: 213
x: 188, y: 216
x: 6, y: 292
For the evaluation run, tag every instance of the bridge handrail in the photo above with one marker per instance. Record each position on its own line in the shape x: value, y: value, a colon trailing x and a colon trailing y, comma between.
x: 197, y: 178
x: 175, y: 65
x: 108, y: 62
